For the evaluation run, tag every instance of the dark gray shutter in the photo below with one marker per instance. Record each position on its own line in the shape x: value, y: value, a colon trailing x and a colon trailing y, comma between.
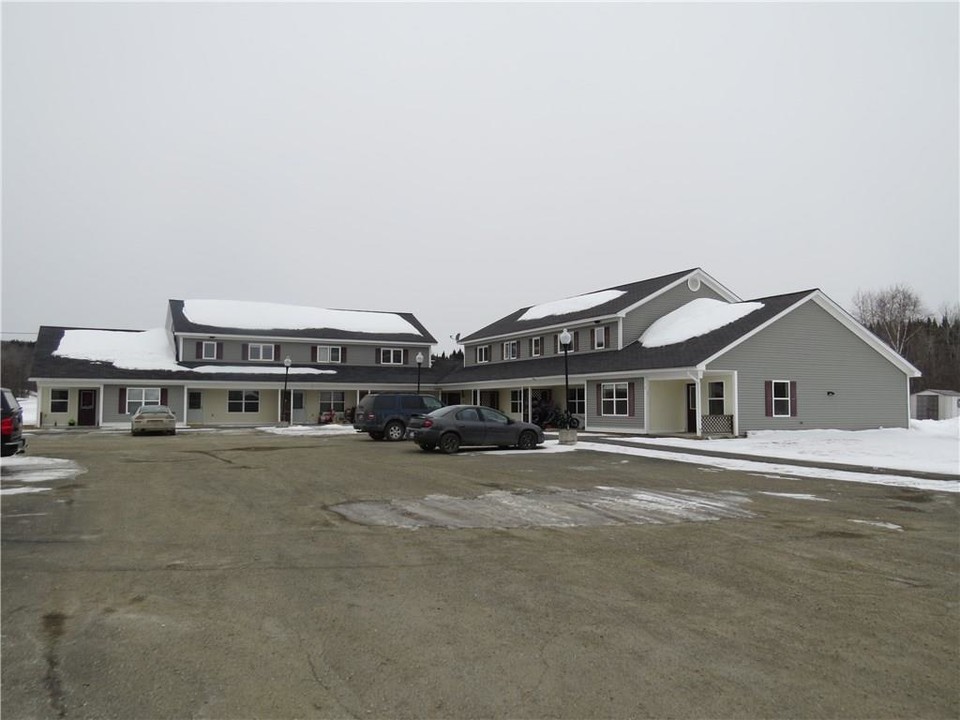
x: 122, y: 405
x: 768, y: 398
x: 199, y: 349
x: 793, y: 398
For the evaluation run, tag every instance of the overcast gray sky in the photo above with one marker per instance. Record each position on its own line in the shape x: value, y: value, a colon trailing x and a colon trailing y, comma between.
x: 460, y: 161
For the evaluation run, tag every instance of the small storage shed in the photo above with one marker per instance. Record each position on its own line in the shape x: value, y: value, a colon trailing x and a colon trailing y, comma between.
x: 935, y: 405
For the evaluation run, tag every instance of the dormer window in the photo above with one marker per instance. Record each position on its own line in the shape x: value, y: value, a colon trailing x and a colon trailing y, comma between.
x: 536, y: 347
x: 208, y: 350
x: 511, y: 350
x: 483, y: 354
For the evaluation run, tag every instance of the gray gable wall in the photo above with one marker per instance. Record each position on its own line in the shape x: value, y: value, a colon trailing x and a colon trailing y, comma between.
x: 813, y: 348
x: 639, y: 319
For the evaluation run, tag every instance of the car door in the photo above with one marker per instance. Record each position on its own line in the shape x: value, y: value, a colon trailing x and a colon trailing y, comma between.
x: 497, y: 428
x: 470, y: 427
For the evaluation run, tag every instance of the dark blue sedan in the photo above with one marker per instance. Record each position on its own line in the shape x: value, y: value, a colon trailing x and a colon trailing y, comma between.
x: 454, y: 426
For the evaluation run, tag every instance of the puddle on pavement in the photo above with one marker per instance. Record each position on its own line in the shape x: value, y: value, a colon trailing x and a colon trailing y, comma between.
x: 552, y: 508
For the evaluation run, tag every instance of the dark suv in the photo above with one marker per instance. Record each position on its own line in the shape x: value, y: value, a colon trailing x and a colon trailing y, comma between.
x: 385, y: 415
x: 11, y: 425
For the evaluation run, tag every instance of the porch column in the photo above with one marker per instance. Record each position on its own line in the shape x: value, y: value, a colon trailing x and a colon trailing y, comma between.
x: 696, y: 400
x: 735, y: 406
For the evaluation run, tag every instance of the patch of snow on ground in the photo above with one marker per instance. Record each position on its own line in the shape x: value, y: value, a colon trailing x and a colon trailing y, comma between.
x: 570, y: 305
x: 552, y: 508
x: 758, y: 466
x: 927, y: 446
x: 697, y: 317
x: 273, y: 316
x: 311, y: 430
x: 23, y: 469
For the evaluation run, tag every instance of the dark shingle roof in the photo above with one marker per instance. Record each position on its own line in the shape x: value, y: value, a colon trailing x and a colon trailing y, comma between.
x: 632, y: 294
x: 47, y: 365
x: 634, y: 356
x: 183, y: 324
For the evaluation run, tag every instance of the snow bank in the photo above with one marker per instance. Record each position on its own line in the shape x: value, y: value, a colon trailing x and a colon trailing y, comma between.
x: 570, y: 305
x: 271, y: 316
x: 697, y: 317
x: 928, y: 446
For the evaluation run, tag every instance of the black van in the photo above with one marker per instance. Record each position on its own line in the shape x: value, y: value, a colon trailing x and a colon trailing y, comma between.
x: 11, y: 425
x: 385, y: 415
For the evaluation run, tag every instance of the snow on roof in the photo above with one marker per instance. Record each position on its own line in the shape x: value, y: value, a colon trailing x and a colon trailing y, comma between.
x: 272, y: 316
x: 570, y: 305
x: 147, y: 350
x: 697, y: 317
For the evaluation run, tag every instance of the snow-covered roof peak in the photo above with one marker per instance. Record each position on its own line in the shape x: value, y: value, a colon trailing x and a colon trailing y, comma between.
x: 698, y: 317
x: 570, y: 305
x: 272, y: 316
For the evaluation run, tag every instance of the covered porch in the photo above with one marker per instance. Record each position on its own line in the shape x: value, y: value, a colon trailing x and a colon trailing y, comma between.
x: 692, y: 403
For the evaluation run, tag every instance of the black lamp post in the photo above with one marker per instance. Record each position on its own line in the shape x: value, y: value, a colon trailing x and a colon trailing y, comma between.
x: 285, y: 405
x: 419, y: 364
x: 565, y: 339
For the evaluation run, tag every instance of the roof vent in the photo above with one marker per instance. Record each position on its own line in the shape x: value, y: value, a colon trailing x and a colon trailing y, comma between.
x: 693, y: 283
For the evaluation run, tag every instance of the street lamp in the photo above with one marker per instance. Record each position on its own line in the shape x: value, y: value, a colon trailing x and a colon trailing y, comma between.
x: 285, y: 405
x: 565, y: 339
x: 419, y: 363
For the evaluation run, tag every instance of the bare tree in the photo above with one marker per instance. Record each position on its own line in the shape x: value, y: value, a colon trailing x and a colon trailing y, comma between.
x: 892, y: 313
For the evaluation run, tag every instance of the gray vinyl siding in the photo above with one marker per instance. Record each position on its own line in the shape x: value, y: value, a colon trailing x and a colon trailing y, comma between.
x: 111, y: 400
x: 584, y: 341
x: 596, y: 421
x: 813, y: 349
x: 301, y: 352
x: 638, y: 320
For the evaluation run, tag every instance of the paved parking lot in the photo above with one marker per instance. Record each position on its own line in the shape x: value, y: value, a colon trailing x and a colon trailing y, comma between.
x: 245, y: 575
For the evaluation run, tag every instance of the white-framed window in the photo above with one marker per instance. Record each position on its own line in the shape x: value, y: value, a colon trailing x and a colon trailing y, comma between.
x: 391, y: 356
x: 59, y: 401
x: 715, y: 404
x: 208, y: 350
x: 483, y: 354
x: 243, y: 401
x: 577, y: 400
x: 516, y: 402
x: 260, y: 351
x: 141, y: 396
x: 781, y: 398
x: 615, y: 399
x: 536, y: 347
x: 511, y: 350
x: 332, y: 400
x: 331, y: 354
x: 599, y: 338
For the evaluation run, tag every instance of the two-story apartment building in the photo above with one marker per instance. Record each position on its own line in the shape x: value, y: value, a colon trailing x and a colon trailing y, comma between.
x: 228, y: 363
x: 682, y: 353
x: 679, y: 353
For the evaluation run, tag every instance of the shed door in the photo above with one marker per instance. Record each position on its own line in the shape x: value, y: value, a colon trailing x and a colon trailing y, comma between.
x: 928, y: 407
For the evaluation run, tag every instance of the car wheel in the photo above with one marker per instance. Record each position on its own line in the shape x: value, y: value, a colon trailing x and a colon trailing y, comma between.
x: 527, y: 440
x: 449, y: 443
x: 394, y: 431
x: 376, y: 435
x: 426, y: 447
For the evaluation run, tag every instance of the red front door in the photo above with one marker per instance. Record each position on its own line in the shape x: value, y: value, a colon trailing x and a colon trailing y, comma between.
x: 87, y: 414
